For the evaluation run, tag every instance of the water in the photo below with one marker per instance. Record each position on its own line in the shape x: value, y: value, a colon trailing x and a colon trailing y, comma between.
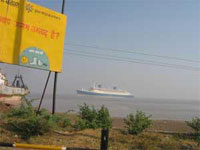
x: 169, y: 109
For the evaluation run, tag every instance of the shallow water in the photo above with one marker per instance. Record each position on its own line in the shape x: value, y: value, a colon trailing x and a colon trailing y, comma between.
x: 170, y: 109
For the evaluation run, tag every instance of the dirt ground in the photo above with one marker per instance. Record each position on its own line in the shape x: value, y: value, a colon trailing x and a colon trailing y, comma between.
x: 171, y: 126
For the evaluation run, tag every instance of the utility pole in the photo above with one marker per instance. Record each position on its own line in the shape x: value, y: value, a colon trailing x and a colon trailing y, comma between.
x: 56, y: 73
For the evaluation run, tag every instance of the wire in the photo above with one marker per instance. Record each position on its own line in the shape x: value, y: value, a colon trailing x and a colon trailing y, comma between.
x: 128, y: 58
x: 133, y: 52
x: 133, y: 61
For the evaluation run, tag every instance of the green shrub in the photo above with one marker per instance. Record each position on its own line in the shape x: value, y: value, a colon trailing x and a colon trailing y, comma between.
x: 89, y: 114
x: 28, y: 127
x: 80, y: 125
x: 59, y: 121
x: 103, y: 118
x: 22, y: 111
x: 65, y: 123
x: 136, y: 124
x: 25, y: 122
x: 93, y: 118
x: 195, y: 125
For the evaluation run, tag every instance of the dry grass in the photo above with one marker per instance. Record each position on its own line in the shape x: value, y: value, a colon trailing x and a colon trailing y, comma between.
x: 117, y: 141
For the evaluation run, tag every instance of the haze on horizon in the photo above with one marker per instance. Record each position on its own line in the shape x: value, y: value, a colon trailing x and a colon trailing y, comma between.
x: 168, y: 27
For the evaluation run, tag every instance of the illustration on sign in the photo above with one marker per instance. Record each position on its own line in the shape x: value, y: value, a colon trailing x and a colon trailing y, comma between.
x: 34, y: 57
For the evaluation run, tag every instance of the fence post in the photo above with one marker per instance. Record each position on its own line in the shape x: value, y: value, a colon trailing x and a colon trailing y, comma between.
x: 104, y: 139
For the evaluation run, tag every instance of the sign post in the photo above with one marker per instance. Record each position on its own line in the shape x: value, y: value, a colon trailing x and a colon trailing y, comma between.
x: 56, y: 74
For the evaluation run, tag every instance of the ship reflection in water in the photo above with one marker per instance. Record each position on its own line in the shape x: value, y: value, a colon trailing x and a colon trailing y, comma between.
x: 98, y: 90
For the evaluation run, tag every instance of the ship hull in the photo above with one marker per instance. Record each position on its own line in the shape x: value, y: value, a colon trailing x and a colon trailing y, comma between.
x: 81, y: 92
x: 11, y: 100
x: 12, y: 96
x: 12, y: 91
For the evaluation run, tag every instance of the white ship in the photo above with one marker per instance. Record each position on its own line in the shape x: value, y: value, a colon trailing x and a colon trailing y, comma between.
x: 11, y: 94
x: 100, y: 91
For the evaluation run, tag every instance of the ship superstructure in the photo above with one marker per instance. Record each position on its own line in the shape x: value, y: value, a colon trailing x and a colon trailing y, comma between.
x: 98, y: 90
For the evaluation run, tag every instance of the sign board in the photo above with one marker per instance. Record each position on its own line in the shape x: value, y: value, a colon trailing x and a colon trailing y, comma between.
x: 31, y: 35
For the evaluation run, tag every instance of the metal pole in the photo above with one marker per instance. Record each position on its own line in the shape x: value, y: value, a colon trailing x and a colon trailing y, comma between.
x: 104, y: 139
x: 41, y: 147
x: 54, y: 92
x: 56, y: 74
x: 43, y: 92
x: 63, y: 7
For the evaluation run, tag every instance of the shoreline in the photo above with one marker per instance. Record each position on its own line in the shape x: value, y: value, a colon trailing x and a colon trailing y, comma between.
x: 160, y: 125
x: 169, y: 126
x: 159, y: 109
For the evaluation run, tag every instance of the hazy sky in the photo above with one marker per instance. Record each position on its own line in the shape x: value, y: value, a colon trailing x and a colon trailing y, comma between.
x: 159, y: 27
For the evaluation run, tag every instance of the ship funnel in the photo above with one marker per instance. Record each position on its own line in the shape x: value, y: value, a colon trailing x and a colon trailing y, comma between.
x: 114, y: 88
x: 99, y: 86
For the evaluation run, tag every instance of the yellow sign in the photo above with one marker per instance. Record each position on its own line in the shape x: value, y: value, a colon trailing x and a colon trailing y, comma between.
x: 31, y: 35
